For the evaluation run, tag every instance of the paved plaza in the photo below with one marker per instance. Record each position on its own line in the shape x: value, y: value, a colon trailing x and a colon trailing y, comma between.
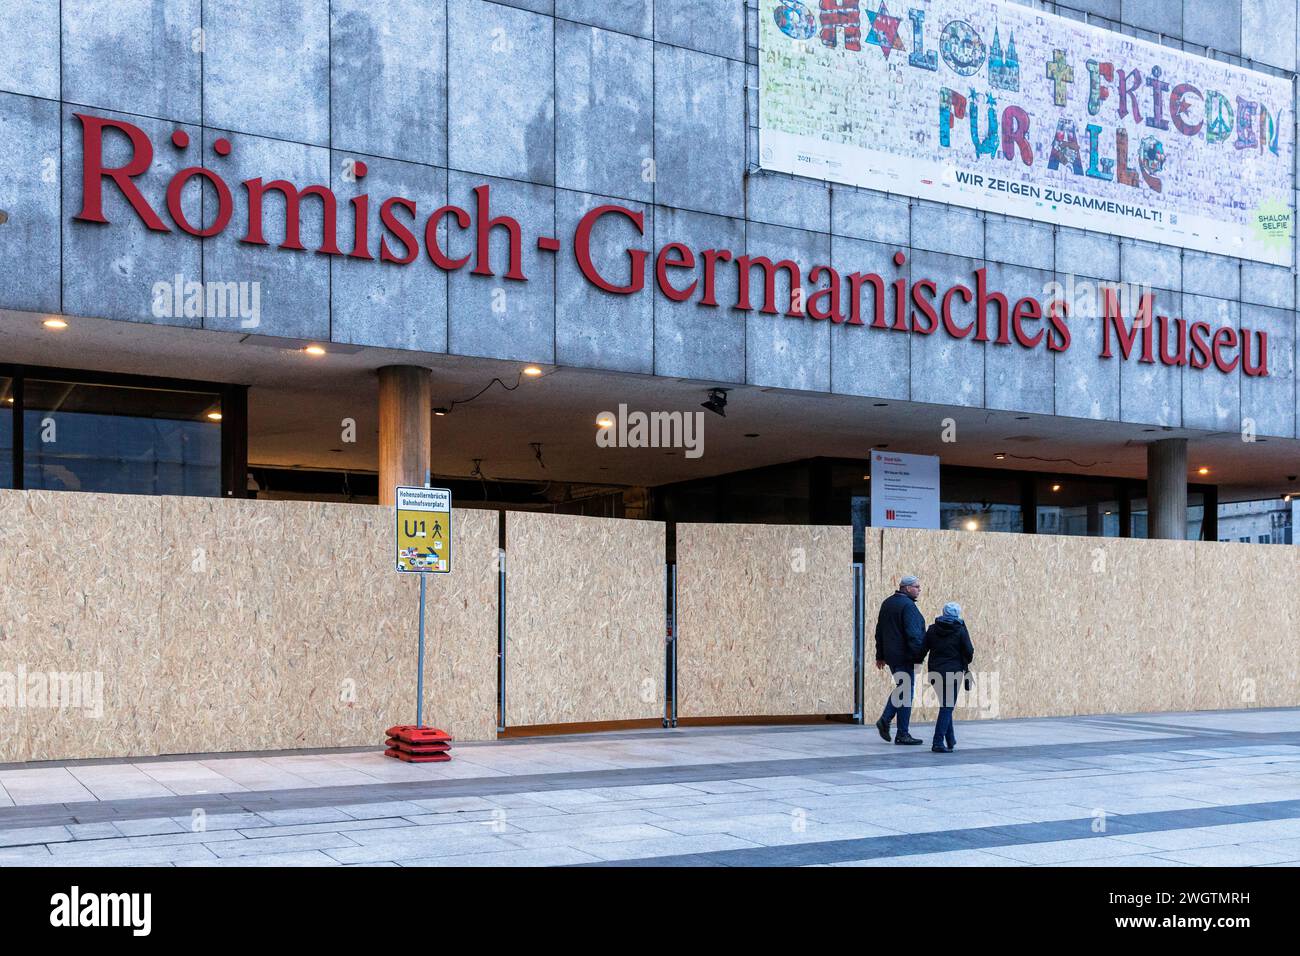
x: 1204, y: 789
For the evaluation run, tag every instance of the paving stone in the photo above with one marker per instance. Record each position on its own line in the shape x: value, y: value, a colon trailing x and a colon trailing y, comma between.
x: 419, y: 850
x: 668, y: 846
x: 545, y: 856
x: 93, y: 831
x: 24, y: 855
x: 387, y: 808
x: 305, y: 841
x: 92, y: 854
x: 148, y: 825
x: 305, y: 815
x: 945, y: 859
x: 299, y: 858
x: 28, y: 836
x: 1065, y: 850
x: 1250, y: 854
x: 383, y: 823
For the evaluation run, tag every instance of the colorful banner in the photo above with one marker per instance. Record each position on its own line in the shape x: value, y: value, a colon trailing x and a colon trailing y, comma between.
x: 1005, y: 108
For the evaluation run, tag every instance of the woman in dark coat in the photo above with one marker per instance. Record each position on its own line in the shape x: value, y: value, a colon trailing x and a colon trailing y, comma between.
x: 947, y: 642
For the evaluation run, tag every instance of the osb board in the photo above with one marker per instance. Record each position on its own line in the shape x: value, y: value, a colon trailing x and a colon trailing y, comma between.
x: 586, y: 612
x: 1073, y: 625
x: 78, y: 599
x: 288, y: 622
x: 237, y: 625
x: 1250, y: 630
x: 765, y: 620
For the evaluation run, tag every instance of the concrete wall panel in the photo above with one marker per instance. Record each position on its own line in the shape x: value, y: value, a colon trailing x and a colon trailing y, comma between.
x: 692, y: 340
x: 29, y: 52
x: 604, y: 124
x: 111, y: 269
x: 266, y: 67
x: 381, y: 303
x: 29, y: 196
x: 782, y: 351
x: 500, y: 71
x: 699, y: 131
x: 388, y: 79
x: 595, y: 328
x: 294, y: 284
x: 134, y: 56
x: 493, y: 316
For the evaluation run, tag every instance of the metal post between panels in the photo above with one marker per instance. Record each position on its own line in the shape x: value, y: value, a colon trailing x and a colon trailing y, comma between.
x: 859, y: 640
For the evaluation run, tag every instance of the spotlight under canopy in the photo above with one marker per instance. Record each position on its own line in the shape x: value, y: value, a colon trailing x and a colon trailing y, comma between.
x: 717, y: 401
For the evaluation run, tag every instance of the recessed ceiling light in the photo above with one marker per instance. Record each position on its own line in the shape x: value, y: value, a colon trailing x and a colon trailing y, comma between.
x: 214, y: 416
x: 532, y: 370
x: 1056, y: 487
x: 1000, y: 456
x: 604, y: 421
x: 440, y: 412
x: 314, y: 350
x: 55, y: 324
x: 1202, y: 471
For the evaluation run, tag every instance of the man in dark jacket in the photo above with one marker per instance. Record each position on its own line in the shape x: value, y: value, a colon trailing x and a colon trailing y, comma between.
x: 900, y: 640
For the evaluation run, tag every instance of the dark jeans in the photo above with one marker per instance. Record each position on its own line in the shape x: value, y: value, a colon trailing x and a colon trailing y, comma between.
x: 946, y: 685
x: 900, y: 699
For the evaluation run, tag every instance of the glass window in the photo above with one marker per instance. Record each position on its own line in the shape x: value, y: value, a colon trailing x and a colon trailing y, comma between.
x: 1072, y: 505
x: 1195, y: 516
x: 1139, y: 517
x: 6, y: 432
x: 108, y: 438
x: 972, y: 501
x: 771, y: 496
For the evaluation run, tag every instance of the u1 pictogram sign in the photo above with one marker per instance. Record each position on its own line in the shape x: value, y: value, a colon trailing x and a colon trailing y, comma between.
x: 424, y: 530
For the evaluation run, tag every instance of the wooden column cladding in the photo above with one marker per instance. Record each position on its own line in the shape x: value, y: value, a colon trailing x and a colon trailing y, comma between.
x: 405, y: 427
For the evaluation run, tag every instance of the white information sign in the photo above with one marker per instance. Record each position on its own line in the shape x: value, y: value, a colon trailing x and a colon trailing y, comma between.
x: 904, y: 490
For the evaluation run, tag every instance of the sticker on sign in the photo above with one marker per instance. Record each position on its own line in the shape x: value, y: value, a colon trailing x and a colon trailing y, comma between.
x: 423, y: 530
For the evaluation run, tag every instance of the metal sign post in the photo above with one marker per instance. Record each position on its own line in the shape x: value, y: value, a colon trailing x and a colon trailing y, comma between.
x: 423, y: 547
x: 419, y: 667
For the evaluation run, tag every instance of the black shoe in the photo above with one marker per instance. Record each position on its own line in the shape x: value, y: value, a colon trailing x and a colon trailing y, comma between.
x: 940, y: 749
x: 884, y: 729
x: 906, y: 739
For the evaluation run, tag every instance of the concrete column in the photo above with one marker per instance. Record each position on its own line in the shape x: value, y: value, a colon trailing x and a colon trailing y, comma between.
x: 1095, y: 527
x: 1167, y: 489
x: 405, y: 427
